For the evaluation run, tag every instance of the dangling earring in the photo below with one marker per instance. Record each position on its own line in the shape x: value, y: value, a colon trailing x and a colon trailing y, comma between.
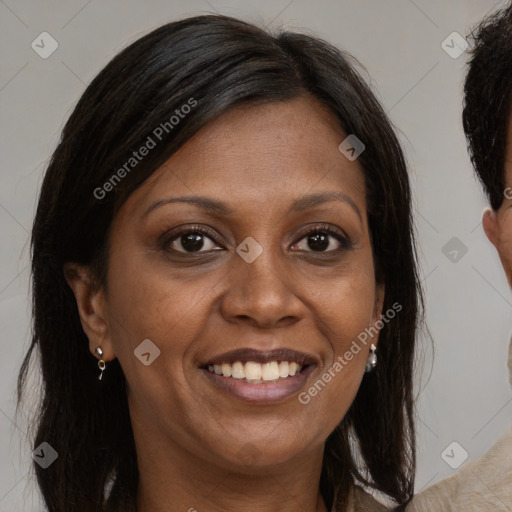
x: 372, y: 359
x: 101, y: 363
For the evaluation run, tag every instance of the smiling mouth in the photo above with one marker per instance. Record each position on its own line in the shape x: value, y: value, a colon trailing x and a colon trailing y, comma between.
x: 257, y: 373
x: 260, y: 376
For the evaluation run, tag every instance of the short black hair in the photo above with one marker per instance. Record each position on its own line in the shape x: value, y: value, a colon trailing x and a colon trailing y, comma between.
x: 487, y: 101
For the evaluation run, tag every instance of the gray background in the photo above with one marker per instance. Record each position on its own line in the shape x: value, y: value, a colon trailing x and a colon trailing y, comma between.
x: 464, y: 395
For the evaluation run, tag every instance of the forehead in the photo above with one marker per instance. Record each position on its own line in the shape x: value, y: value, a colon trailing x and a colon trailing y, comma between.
x: 301, y: 118
x: 261, y: 153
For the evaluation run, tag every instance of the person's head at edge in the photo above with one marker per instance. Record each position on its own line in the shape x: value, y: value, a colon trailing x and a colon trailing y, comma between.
x: 268, y: 115
x: 488, y: 128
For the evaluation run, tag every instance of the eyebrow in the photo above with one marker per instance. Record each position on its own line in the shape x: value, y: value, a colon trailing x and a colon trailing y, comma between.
x: 218, y: 207
x: 312, y: 200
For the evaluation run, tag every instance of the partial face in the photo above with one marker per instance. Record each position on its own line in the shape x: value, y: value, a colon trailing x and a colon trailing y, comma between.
x: 498, y: 224
x: 250, y: 268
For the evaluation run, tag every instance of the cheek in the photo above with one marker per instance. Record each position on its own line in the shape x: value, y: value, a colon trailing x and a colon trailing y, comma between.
x: 147, y: 303
x: 346, y: 317
x: 345, y: 301
x: 153, y: 298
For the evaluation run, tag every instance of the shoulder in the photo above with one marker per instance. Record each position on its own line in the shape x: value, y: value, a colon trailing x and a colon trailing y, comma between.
x: 485, y: 484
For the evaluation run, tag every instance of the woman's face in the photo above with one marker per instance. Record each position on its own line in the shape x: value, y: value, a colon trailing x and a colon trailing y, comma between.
x: 247, y: 278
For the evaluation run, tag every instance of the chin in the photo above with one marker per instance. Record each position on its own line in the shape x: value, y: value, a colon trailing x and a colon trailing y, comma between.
x: 253, y: 456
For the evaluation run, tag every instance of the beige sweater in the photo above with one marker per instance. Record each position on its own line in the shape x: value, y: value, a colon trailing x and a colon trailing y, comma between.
x: 481, y: 486
x: 484, y: 485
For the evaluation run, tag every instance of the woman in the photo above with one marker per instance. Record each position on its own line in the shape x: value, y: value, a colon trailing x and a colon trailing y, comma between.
x: 225, y: 226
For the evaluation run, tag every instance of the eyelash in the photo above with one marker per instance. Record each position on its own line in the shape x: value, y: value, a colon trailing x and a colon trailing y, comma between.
x: 344, y: 240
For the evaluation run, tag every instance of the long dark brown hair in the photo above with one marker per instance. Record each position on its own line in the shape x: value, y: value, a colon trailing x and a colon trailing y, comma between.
x: 221, y: 62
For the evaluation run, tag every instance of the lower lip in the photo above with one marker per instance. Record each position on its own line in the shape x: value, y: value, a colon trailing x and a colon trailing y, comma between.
x: 270, y: 393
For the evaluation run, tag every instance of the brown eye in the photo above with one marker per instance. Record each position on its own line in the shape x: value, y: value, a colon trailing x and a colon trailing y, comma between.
x: 190, y: 241
x: 323, y: 240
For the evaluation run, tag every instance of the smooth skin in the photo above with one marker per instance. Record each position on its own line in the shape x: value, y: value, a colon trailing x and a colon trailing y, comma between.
x: 198, y: 447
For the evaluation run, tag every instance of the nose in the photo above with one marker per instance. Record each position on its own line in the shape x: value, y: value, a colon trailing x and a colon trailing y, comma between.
x: 262, y: 293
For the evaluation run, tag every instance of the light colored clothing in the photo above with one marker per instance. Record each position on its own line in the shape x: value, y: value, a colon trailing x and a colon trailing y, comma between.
x: 480, y: 486
x: 484, y: 485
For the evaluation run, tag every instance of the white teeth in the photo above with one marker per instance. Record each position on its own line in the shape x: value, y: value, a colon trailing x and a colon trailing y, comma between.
x: 226, y: 370
x: 252, y: 371
x: 270, y: 371
x: 293, y: 369
x: 237, y: 371
x: 256, y: 373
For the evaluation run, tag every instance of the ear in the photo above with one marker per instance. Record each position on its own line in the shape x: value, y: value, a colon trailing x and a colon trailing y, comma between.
x: 92, y: 308
x: 490, y: 224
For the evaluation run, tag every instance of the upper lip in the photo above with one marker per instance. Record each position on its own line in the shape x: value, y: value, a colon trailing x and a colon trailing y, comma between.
x: 262, y: 356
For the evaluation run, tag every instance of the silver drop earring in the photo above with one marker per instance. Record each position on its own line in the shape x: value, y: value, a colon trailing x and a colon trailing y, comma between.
x: 372, y: 359
x: 101, y: 362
